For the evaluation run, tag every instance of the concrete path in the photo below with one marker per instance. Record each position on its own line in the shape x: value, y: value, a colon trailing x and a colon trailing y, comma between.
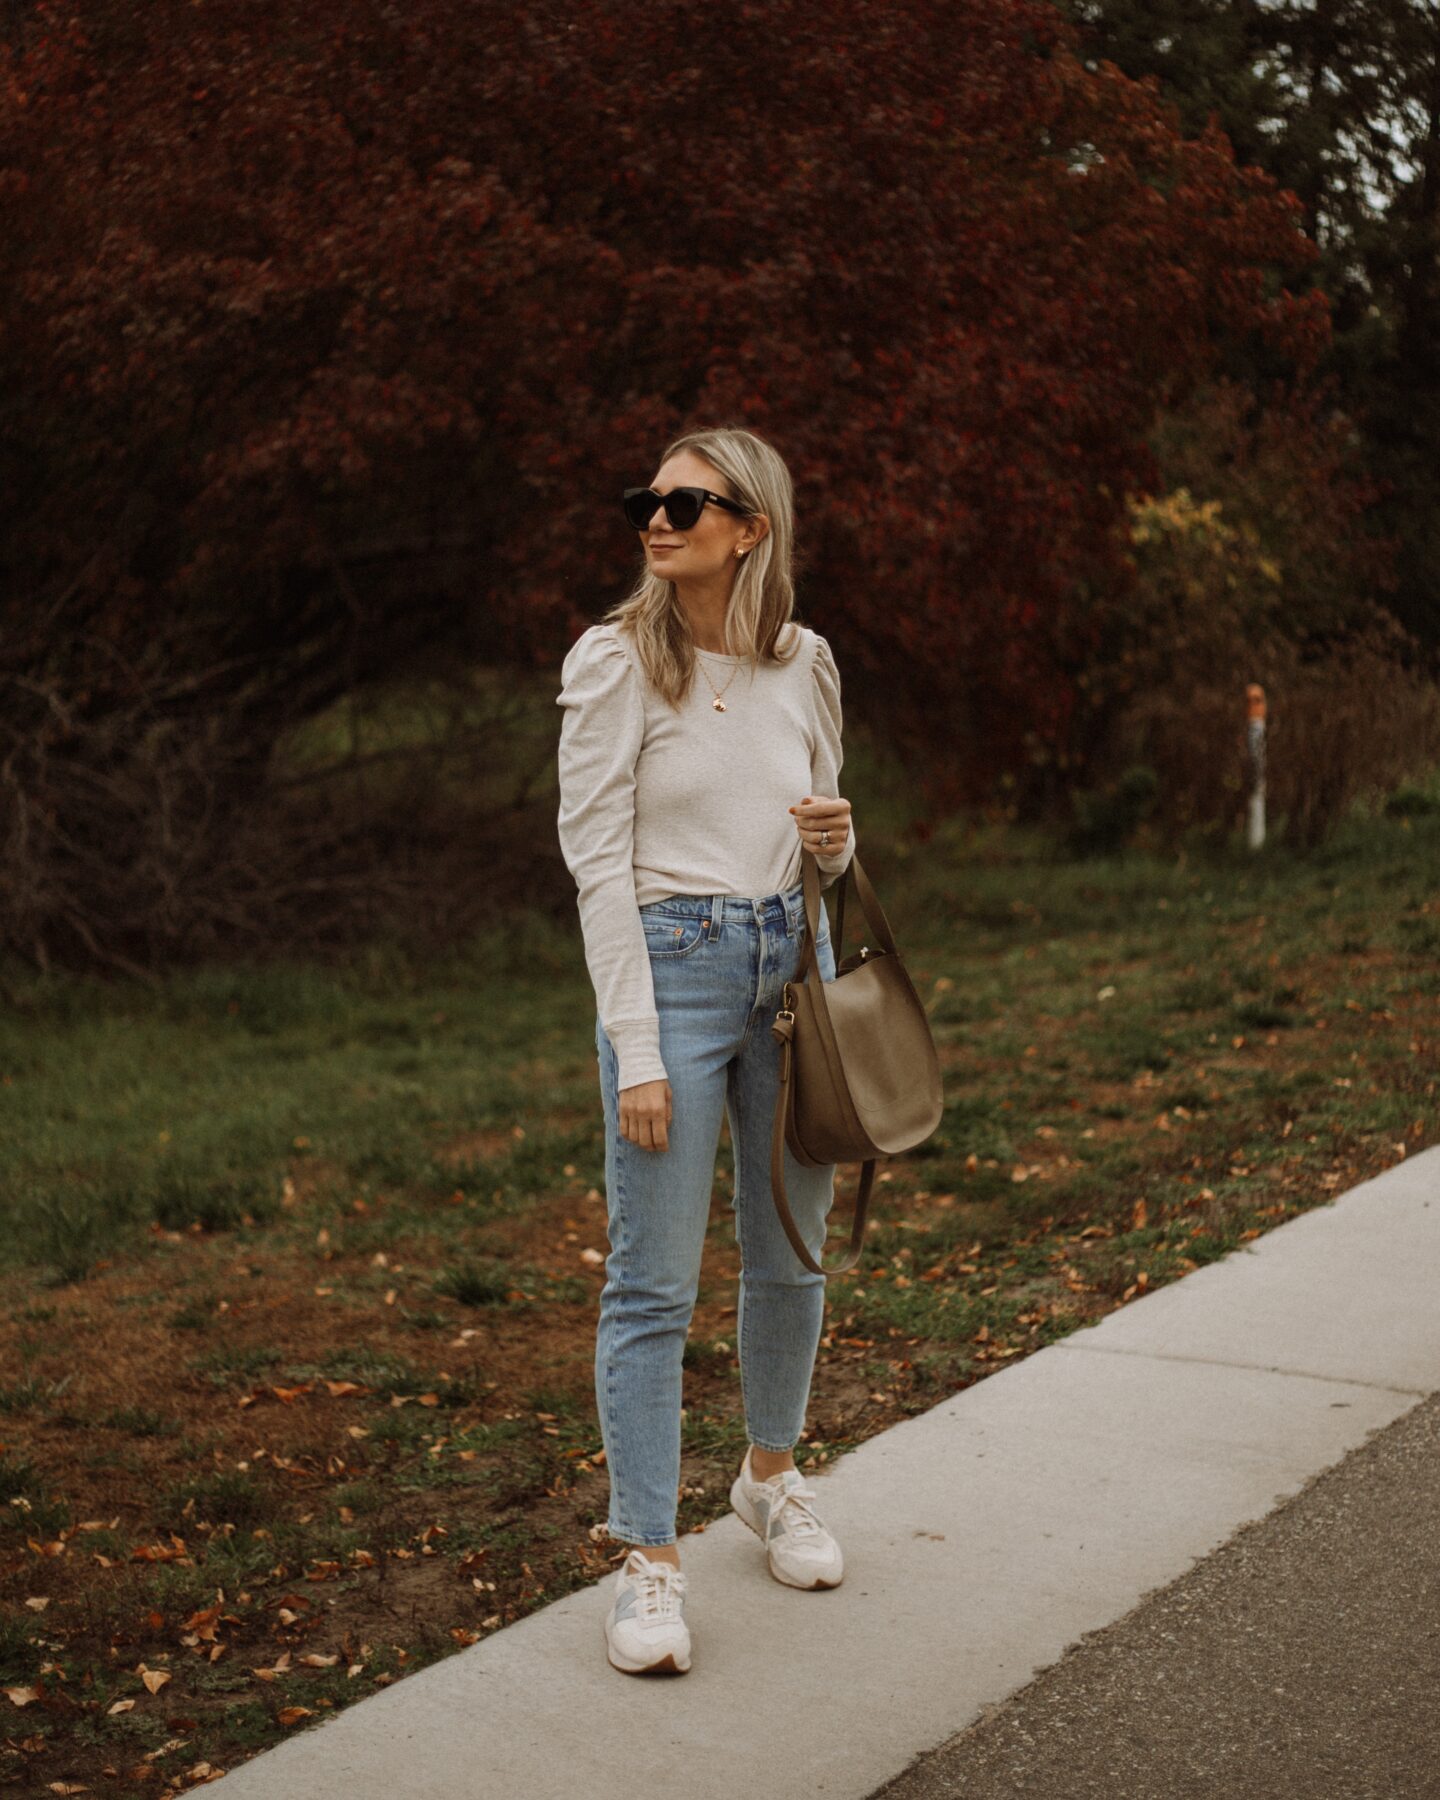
x: 982, y: 1538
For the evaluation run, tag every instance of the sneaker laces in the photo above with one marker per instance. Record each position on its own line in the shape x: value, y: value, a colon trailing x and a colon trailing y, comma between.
x: 660, y: 1588
x: 802, y: 1522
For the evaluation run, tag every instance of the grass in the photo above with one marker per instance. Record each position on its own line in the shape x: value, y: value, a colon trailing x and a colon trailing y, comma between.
x: 302, y: 1266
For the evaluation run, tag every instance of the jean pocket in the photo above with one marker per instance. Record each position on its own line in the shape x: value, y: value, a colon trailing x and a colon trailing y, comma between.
x: 824, y: 953
x: 822, y: 932
x: 671, y: 937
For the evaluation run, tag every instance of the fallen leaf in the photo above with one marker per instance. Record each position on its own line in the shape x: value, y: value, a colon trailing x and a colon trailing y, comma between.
x: 203, y: 1624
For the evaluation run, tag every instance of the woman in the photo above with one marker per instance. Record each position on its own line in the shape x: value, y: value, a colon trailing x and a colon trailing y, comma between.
x: 699, y: 753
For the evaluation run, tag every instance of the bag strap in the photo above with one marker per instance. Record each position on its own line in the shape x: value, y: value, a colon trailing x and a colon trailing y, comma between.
x: 870, y: 904
x: 783, y: 1029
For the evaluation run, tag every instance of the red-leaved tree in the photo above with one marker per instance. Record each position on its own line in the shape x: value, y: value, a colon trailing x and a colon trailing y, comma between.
x: 329, y: 333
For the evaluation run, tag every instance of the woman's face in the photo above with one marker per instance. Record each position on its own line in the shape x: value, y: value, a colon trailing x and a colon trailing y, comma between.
x: 708, y: 547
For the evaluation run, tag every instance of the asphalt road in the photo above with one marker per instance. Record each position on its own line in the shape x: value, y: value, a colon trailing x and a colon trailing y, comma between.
x: 1301, y: 1661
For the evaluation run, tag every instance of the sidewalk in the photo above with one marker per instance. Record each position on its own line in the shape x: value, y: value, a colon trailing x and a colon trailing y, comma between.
x: 982, y: 1538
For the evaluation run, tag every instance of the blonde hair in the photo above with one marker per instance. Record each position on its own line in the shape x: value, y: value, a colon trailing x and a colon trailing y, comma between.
x: 762, y: 600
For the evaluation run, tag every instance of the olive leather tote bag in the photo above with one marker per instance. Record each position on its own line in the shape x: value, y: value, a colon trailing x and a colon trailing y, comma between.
x: 859, y: 1075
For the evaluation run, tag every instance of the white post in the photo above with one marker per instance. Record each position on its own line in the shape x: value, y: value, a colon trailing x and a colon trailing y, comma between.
x: 1255, y: 742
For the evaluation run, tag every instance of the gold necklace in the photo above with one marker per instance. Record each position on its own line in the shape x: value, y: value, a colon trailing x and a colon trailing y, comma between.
x: 717, y: 704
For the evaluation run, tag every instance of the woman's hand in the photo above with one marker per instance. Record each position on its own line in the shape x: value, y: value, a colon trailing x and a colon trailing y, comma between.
x: 645, y: 1113
x: 815, y: 814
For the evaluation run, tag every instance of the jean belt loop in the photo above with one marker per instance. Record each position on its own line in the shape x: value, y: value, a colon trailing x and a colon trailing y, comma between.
x: 714, y: 903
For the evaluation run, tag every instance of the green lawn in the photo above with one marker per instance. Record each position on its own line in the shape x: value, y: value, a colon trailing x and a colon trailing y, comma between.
x: 302, y: 1264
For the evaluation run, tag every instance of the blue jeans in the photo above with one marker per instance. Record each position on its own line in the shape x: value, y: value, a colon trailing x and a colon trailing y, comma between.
x: 718, y: 964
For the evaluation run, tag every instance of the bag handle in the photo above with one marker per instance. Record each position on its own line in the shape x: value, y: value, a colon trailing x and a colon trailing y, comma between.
x: 869, y: 901
x: 784, y: 1028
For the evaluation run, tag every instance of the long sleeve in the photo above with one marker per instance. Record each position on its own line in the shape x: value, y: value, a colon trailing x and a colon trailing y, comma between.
x: 601, y: 731
x: 829, y: 754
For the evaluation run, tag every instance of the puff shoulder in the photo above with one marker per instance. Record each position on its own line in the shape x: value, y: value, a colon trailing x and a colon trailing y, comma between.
x: 827, y: 680
x: 595, y: 664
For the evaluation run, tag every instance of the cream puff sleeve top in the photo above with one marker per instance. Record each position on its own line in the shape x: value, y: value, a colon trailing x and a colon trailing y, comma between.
x: 655, y: 802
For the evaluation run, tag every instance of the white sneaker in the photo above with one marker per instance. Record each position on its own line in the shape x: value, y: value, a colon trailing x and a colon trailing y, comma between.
x: 645, y: 1629
x: 798, y: 1548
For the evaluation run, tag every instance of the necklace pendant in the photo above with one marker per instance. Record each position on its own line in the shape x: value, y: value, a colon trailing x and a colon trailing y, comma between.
x: 719, y: 704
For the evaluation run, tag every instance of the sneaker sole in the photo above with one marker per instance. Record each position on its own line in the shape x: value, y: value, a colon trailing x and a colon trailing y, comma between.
x: 668, y: 1664
x: 737, y: 1501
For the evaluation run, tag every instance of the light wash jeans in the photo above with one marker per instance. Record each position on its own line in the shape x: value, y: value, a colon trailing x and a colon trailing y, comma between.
x: 719, y: 964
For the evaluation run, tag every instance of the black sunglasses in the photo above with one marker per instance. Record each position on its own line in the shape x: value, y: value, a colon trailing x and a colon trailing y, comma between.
x: 683, y: 506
